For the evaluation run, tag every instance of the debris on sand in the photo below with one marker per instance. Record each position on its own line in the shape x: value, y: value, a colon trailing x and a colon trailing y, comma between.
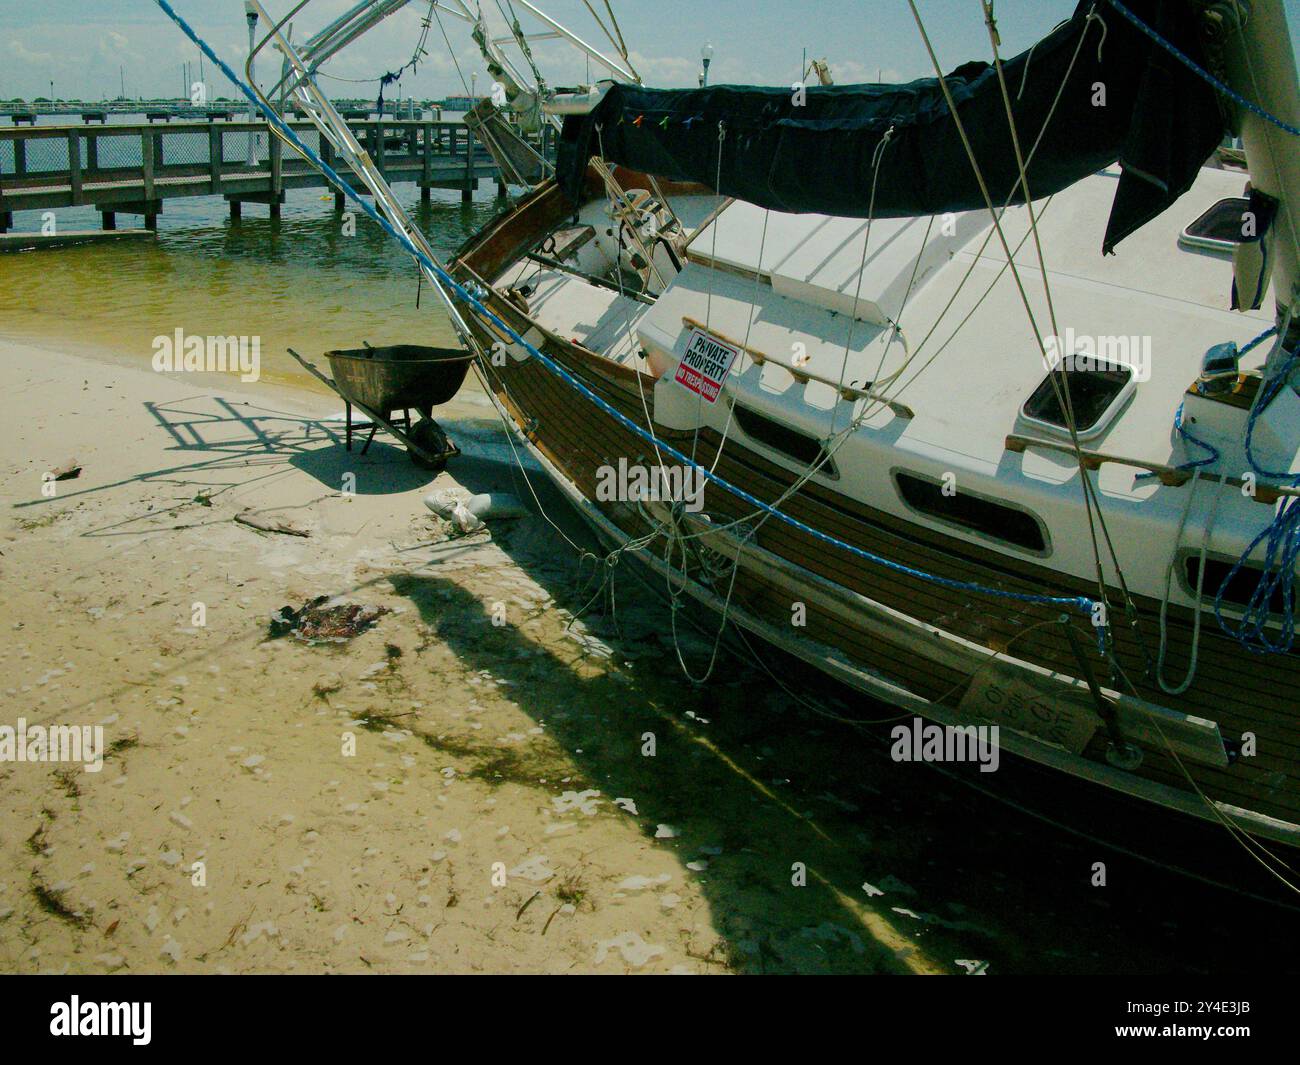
x: 317, y: 623
x: 469, y: 515
x: 255, y: 521
x: 67, y: 471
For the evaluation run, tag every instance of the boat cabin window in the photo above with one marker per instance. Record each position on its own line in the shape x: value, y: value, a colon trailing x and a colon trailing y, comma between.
x: 1096, y: 394
x: 997, y: 521
x: 801, y: 447
x: 1220, y: 227
x: 1239, y: 589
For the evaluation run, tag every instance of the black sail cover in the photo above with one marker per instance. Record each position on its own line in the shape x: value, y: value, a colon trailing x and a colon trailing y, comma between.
x: 1125, y: 99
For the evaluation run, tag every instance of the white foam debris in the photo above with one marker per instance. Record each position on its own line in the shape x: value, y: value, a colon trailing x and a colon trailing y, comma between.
x: 397, y: 935
x: 640, y: 883
x: 697, y: 866
x: 340, y: 932
x: 626, y: 804
x: 257, y: 931
x: 453, y: 836
x: 170, y: 858
x: 666, y: 832
x: 635, y: 950
x: 583, y: 801
x: 972, y: 967
x: 151, y: 918
x: 171, y: 950
x: 871, y: 890
x: 253, y: 761
x: 534, y: 869
x: 180, y: 820
x: 669, y: 900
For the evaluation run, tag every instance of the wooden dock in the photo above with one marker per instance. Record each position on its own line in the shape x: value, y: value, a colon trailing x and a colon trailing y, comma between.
x: 134, y: 169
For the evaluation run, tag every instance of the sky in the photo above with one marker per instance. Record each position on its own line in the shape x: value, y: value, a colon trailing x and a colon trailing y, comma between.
x: 87, y: 47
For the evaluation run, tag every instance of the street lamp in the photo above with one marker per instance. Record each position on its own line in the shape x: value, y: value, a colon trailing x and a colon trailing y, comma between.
x: 706, y: 54
x: 250, y: 11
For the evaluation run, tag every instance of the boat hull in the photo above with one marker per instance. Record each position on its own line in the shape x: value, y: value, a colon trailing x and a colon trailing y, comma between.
x: 942, y: 652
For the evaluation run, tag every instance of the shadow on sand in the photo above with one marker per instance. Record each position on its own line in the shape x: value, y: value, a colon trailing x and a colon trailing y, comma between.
x: 758, y: 778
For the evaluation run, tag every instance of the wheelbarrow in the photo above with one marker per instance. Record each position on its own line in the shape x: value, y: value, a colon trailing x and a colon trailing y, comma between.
x: 401, y: 378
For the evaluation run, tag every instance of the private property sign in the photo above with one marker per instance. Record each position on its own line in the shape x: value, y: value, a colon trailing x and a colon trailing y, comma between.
x: 705, y: 365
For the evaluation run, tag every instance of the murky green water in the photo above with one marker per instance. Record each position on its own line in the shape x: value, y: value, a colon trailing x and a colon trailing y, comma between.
x: 302, y: 282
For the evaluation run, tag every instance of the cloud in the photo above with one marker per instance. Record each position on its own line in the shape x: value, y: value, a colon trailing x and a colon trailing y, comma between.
x: 665, y: 71
x: 25, y: 55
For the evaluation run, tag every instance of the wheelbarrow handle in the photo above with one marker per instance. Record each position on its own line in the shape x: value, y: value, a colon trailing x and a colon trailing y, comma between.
x: 315, y: 372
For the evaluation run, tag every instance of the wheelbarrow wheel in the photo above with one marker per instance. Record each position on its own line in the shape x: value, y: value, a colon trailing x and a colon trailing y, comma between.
x: 429, y: 435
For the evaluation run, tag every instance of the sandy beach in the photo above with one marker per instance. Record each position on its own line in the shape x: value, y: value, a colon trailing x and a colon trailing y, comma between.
x: 463, y: 787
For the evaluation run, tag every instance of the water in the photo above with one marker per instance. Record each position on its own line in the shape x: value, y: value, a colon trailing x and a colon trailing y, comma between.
x: 300, y: 282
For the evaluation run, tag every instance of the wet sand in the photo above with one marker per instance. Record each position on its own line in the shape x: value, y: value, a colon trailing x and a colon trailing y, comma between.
x: 468, y: 786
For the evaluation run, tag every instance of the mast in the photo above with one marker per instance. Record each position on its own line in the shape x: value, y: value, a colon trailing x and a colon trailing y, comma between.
x: 1260, y: 65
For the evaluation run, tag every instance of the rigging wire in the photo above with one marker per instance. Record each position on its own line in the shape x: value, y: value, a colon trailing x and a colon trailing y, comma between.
x: 1084, y: 478
x: 1091, y: 496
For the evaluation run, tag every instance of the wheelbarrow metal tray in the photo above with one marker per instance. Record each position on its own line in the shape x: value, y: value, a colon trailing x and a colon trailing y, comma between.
x: 400, y: 377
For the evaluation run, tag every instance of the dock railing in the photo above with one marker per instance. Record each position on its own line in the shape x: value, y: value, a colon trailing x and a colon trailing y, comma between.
x: 134, y: 168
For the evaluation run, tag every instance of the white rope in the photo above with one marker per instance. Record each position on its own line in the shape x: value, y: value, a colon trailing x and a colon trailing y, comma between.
x: 1165, y: 686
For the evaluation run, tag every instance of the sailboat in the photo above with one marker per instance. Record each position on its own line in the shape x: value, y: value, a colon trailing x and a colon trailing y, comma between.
x: 977, y: 394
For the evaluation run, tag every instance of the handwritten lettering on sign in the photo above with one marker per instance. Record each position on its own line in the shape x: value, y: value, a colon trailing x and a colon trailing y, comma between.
x: 1003, y: 698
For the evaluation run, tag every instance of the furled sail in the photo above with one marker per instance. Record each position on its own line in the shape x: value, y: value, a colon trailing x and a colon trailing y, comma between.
x: 1125, y: 99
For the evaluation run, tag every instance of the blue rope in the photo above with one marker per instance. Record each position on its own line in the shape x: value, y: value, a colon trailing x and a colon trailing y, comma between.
x: 1282, y: 549
x: 1191, y: 64
x: 1186, y: 434
x: 1213, y: 454
x: 1083, y: 604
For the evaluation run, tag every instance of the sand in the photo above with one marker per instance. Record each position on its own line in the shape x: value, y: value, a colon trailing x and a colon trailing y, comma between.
x: 462, y: 788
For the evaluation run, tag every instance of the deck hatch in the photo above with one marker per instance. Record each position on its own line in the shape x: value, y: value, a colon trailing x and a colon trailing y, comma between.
x: 998, y: 521
x: 1096, y: 394
x: 1220, y: 227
